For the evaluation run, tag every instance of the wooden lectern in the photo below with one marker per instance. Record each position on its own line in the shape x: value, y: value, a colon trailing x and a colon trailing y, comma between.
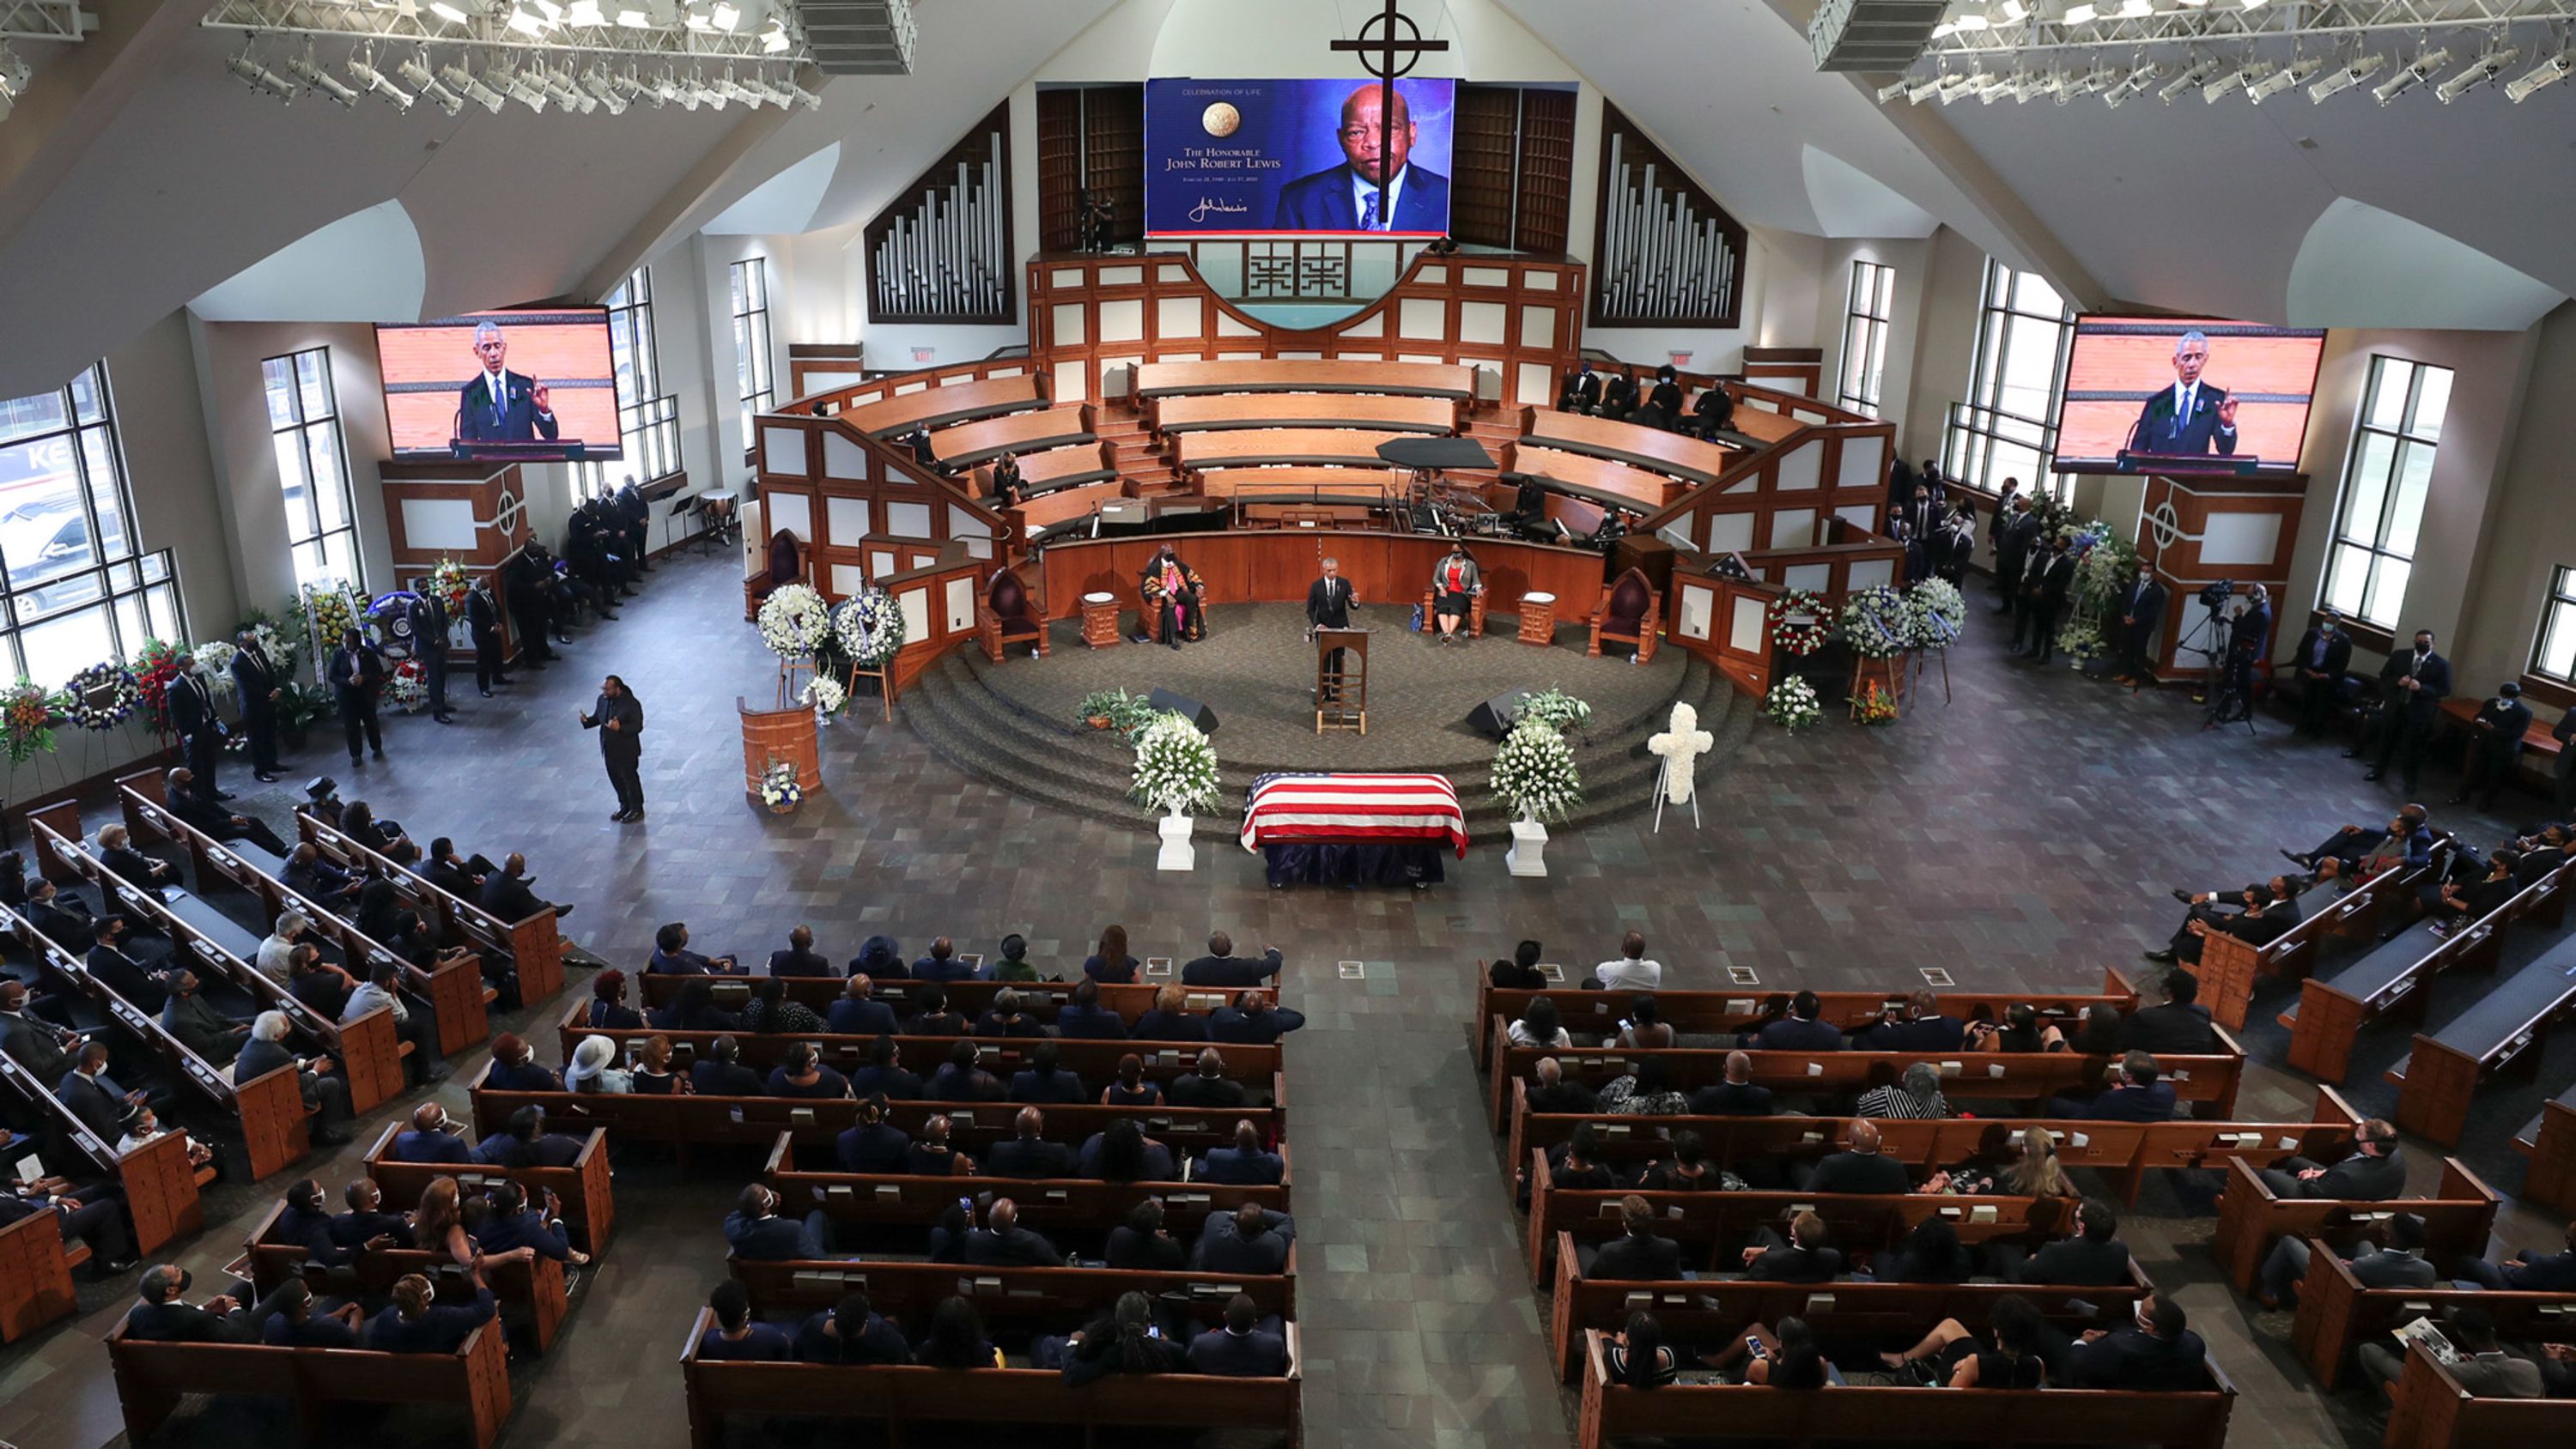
x: 1341, y: 680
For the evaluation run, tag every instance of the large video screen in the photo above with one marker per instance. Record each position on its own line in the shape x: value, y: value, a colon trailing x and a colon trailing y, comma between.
x: 518, y: 385
x: 1239, y: 157
x: 2186, y: 395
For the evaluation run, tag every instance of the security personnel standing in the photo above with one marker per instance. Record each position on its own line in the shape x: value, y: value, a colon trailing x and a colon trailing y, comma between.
x: 483, y: 620
x: 357, y: 674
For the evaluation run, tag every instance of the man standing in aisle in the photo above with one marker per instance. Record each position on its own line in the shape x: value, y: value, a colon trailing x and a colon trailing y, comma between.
x: 483, y: 621
x: 2411, y: 689
x: 429, y: 638
x: 619, y: 718
x: 201, y: 731
x: 357, y: 673
x: 255, y: 680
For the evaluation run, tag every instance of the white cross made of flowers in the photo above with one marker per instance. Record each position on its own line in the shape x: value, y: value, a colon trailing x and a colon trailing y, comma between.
x: 1681, y: 745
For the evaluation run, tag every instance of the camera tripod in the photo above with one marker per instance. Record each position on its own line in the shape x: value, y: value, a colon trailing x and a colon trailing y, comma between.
x: 2218, y: 681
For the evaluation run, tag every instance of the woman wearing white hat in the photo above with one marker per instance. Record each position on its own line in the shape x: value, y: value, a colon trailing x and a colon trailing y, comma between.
x: 590, y: 1070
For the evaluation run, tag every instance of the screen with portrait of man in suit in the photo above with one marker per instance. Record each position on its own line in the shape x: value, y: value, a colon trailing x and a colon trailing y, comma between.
x: 2186, y: 395
x: 526, y: 383
x: 1317, y: 157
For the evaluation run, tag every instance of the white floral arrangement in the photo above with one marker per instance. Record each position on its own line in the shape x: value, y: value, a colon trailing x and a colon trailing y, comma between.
x: 1792, y: 704
x: 826, y: 695
x: 1934, y: 614
x: 281, y: 654
x: 1534, y: 772
x: 778, y: 787
x: 1175, y: 765
x: 794, y: 621
x: 1800, y: 623
x: 215, y: 664
x: 869, y: 625
x: 1874, y: 622
x: 2082, y: 641
x: 1557, y: 708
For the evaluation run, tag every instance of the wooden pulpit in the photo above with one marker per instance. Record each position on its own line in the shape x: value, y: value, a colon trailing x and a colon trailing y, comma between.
x: 1341, y: 680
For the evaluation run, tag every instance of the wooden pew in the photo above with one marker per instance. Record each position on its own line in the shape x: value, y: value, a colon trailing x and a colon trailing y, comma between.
x: 2549, y: 1140
x: 2230, y: 965
x: 1158, y: 380
x: 973, y: 998
x: 938, y: 407
x: 1056, y: 469
x: 896, y: 1395
x: 368, y: 1050
x: 1712, y: 1310
x: 1597, y: 1013
x: 150, y: 1377
x: 1057, y: 1206
x: 1374, y: 486
x: 2337, y: 1314
x: 270, y: 1108
x: 1595, y: 480
x: 964, y: 445
x: 1064, y: 506
x: 532, y: 1293
x: 2395, y: 976
x: 2030, y: 1077
x: 533, y: 946
x: 157, y: 1181
x: 686, y: 1121
x: 1043, y: 1299
x: 1720, y: 1221
x: 2457, y: 1219
x: 1216, y: 411
x: 589, y: 1205
x: 36, y: 1274
x: 1197, y: 453
x: 2432, y: 1411
x: 1653, y: 449
x: 2125, y: 1152
x: 2436, y: 1080
x: 2193, y: 1420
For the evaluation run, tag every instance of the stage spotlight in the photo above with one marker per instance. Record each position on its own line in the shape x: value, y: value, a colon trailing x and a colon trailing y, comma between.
x: 2416, y: 72
x: 2288, y: 77
x: 2344, y: 77
x: 2192, y: 75
x: 260, y: 78
x: 473, y: 89
x: 2481, y: 70
x: 2540, y: 77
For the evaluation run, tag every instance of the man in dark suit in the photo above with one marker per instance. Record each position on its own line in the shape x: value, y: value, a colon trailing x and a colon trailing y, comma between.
x: 1084, y: 1018
x: 2375, y: 1172
x: 506, y: 893
x: 431, y: 1138
x: 756, y: 1232
x: 96, y: 1222
x: 483, y: 623
x: 2013, y: 548
x: 160, y: 1317
x: 2180, y: 1027
x: 2249, y: 639
x: 1799, y: 1031
x: 1579, y: 391
x: 720, y: 1073
x: 1920, y: 1027
x: 2191, y: 418
x: 1919, y: 513
x: 116, y: 851
x: 500, y: 406
x: 97, y: 1099
x: 1245, y: 1164
x: 2134, y: 1095
x: 1241, y: 1349
x: 1252, y: 1021
x: 1209, y: 1086
x: 850, y: 1333
x: 857, y: 1013
x: 2529, y: 1272
x: 962, y: 1078
x: 525, y: 1142
x: 198, y: 1026
x: 619, y: 718
x: 1003, y: 1243
x: 1328, y: 606
x: 1637, y: 1255
x: 109, y: 966
x: 2266, y: 913
x: 1737, y: 1096
x: 1954, y: 545
x: 2393, y: 1257
x: 800, y: 958
x: 1028, y: 1153
x: 256, y: 680
x: 1044, y: 1081
x: 1221, y: 967
x: 2093, y: 1258
x: 429, y: 645
x: 1251, y: 1239
x: 1997, y: 526
x: 366, y: 1220
x: 2495, y: 743
x: 2141, y: 608
x: 2159, y: 1353
x: 201, y: 730
x: 1375, y: 189
x: 2325, y: 653
x: 62, y: 919
x: 1804, y: 1258
x: 357, y: 675
x: 1551, y: 1092
x: 326, y: 1095
x: 1859, y: 1167
x: 2412, y: 686
x: 2045, y: 584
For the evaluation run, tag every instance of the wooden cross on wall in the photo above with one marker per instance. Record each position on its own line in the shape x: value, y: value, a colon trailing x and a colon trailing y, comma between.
x: 1378, y: 57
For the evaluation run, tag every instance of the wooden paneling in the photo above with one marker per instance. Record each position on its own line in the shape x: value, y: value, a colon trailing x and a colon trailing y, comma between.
x: 1113, y: 156
x: 1386, y: 570
x: 2198, y: 531
x: 1059, y: 169
x: 1546, y: 170
x: 1481, y: 163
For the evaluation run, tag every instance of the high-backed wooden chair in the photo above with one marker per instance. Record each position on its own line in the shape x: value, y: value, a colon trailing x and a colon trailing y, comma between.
x: 1631, y: 612
x: 788, y: 562
x: 1008, y: 612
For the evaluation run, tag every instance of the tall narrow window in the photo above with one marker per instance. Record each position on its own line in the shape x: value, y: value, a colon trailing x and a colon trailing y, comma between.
x: 312, y: 466
x: 751, y: 341
x: 75, y: 588
x: 1873, y: 290
x: 648, y: 420
x: 2553, y: 654
x: 2384, y: 483
x: 2003, y: 429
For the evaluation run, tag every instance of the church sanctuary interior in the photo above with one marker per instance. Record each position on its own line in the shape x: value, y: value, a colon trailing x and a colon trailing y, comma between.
x: 1287, y: 724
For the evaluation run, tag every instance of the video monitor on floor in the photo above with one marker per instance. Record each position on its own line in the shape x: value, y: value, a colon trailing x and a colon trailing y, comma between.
x: 522, y: 385
x: 1238, y: 157
x: 2186, y: 395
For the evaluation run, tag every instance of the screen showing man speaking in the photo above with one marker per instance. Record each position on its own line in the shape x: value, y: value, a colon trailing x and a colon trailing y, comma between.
x: 522, y: 384
x: 1321, y: 157
x: 2186, y: 395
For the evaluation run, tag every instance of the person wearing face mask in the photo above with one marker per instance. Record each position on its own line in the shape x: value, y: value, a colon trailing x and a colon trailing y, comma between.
x: 2412, y: 686
x: 1454, y: 583
x: 2249, y: 636
x: 2142, y: 609
x: 2325, y: 652
x: 1173, y: 594
x: 2495, y: 744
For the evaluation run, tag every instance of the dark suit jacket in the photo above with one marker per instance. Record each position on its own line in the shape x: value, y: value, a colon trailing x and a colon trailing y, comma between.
x: 443, y: 1329
x: 2158, y: 430
x: 2375, y: 1267
x: 1197, y: 1091
x: 1730, y: 1099
x: 511, y: 418
x: 2145, y: 604
x: 192, y: 707
x: 2153, y: 1102
x: 1322, y: 202
x: 790, y: 963
x: 187, y: 1323
x: 411, y: 1146
x: 36, y: 1044
x: 103, y: 1114
x: 852, y: 1017
x: 1059, y: 1086
x: 2170, y: 1029
x: 1017, y: 1157
x: 1582, y: 389
x: 1252, y: 1355
x: 1634, y: 1259
x: 1223, y: 1249
x: 2508, y: 719
x: 1097, y: 1024
x: 1329, y: 609
x: 2078, y: 1262
x: 1253, y: 1028
x: 1234, y: 971
x: 254, y: 675
x: 872, y: 1149
x: 1018, y: 1248
x: 2128, y: 1359
x: 2553, y: 1273
x: 508, y: 897
x: 1240, y: 1169
x: 2338, y: 653
x: 712, y: 1078
x: 116, y: 971
x: 1789, y: 1034
x: 1793, y: 1264
x: 769, y: 1240
x: 2432, y: 685
x: 2360, y: 1179
x: 1860, y: 1172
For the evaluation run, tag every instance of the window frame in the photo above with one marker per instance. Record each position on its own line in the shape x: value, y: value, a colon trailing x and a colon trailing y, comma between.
x: 1980, y: 425
x: 2557, y: 611
x: 305, y: 428
x: 754, y: 365
x: 1865, y: 333
x: 2401, y: 441
x: 648, y: 419
x: 135, y: 592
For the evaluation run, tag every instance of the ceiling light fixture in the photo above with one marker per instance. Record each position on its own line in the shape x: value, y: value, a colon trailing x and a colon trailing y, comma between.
x: 362, y: 65
x: 426, y: 82
x: 1955, y: 86
x: 586, y: 13
x: 2192, y: 75
x: 2081, y: 14
x: 2344, y: 77
x: 2481, y: 70
x: 2226, y: 80
x: 315, y: 77
x: 447, y: 12
x: 2132, y: 84
x: 468, y: 85
x: 775, y: 40
x: 260, y: 78
x: 727, y: 16
x: 1893, y: 89
x: 2294, y: 74
x: 803, y: 97
x: 2540, y: 77
x: 2416, y: 72
x: 1924, y: 89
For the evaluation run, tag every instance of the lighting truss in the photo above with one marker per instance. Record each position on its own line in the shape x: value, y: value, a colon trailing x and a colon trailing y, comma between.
x: 44, y: 20
x: 1975, y: 30
x: 489, y: 28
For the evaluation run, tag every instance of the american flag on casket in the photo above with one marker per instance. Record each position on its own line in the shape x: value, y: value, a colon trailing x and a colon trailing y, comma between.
x: 1288, y: 808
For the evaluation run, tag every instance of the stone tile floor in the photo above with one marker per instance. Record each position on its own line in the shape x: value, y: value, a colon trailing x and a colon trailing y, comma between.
x: 2021, y: 836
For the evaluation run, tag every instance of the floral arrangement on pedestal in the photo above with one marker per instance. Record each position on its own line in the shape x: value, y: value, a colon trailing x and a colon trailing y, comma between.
x: 407, y: 688
x: 869, y: 627
x: 2082, y: 641
x: 28, y: 714
x: 1873, y: 706
x: 1934, y: 614
x: 794, y: 622
x: 1873, y: 621
x: 1555, y: 707
x: 448, y: 581
x: 156, y: 665
x: 1800, y: 623
x: 102, y: 696
x: 1175, y: 766
x: 1534, y: 772
x: 825, y: 694
x: 778, y: 788
x: 331, y: 610
x: 272, y: 642
x: 215, y: 664
x: 1792, y: 704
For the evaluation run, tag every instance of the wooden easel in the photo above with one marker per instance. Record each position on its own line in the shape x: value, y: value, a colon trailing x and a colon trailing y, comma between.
x: 1887, y: 672
x: 1341, y: 694
x: 885, y: 687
